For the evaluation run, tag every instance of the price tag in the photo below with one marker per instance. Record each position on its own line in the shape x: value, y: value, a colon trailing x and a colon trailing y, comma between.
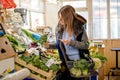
x: 49, y: 62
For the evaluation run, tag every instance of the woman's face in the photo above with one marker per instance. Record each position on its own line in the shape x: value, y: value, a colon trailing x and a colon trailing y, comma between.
x: 61, y: 21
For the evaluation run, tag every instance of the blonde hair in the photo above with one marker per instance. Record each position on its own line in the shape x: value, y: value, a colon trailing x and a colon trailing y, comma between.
x: 68, y: 14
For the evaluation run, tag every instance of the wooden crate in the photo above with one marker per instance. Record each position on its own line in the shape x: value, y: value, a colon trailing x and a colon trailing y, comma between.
x: 49, y: 75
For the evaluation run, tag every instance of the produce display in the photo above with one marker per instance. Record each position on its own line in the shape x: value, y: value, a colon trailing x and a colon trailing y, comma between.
x: 31, y: 54
x: 35, y: 53
x: 40, y: 62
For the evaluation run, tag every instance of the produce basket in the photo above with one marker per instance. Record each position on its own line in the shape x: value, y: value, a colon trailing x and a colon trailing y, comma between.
x: 79, y: 68
x: 83, y: 67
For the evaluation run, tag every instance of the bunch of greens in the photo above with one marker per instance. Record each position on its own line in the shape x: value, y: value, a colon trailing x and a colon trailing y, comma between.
x: 16, y: 44
x: 39, y: 62
x: 29, y: 35
x: 42, y: 39
x: 94, y: 53
x: 82, y: 64
x: 80, y: 68
x: 99, y: 55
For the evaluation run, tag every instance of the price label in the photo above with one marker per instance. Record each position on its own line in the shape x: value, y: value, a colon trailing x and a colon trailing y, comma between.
x: 49, y: 62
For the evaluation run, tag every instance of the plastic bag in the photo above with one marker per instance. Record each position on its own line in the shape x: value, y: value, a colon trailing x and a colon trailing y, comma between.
x: 8, y: 4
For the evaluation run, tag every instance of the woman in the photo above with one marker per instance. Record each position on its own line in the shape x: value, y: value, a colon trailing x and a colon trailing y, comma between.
x: 71, y: 37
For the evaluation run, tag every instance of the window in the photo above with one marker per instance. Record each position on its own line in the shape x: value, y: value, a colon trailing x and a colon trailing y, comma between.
x: 99, y: 19
x: 35, y: 12
x: 25, y: 3
x: 76, y: 4
x: 114, y: 18
x: 36, y: 19
x: 103, y: 21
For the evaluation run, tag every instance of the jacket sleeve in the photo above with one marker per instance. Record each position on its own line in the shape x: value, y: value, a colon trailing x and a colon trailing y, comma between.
x: 57, y: 43
x: 83, y: 44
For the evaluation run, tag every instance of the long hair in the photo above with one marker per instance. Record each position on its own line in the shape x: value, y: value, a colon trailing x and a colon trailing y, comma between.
x: 68, y: 15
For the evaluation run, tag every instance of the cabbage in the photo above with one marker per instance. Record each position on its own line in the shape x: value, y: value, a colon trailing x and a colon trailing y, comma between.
x: 98, y: 63
x: 78, y: 73
x: 75, y: 71
x: 85, y: 72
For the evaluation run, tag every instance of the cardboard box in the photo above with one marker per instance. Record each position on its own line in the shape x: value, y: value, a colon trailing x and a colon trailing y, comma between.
x: 6, y: 50
x: 6, y: 65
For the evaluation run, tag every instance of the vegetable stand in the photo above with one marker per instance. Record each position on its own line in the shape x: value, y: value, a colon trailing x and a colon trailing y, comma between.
x: 45, y: 75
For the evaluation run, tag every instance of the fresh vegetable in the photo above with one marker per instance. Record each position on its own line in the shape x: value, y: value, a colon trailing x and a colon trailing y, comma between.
x: 43, y: 39
x: 12, y: 39
x: 75, y: 72
x: 80, y: 68
x: 28, y: 34
x: 54, y: 67
x: 99, y: 55
x: 40, y: 62
x: 82, y: 64
x: 85, y: 72
x: 16, y: 44
x: 98, y: 63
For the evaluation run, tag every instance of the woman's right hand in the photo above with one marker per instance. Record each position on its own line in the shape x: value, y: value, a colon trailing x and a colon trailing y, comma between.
x: 66, y: 41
